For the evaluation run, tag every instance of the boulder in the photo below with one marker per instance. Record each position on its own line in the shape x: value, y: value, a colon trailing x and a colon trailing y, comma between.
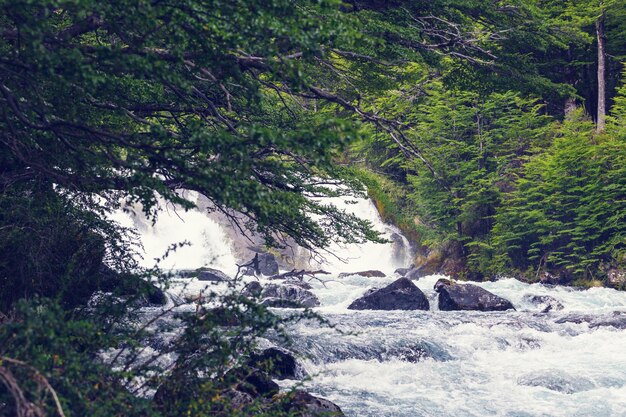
x: 303, y: 404
x: 210, y: 274
x: 401, y: 294
x: 288, y: 295
x: 454, y: 296
x: 544, y: 302
x: 369, y: 274
x: 277, y: 363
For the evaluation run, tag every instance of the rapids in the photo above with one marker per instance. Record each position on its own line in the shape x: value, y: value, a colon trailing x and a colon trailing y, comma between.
x: 523, y: 363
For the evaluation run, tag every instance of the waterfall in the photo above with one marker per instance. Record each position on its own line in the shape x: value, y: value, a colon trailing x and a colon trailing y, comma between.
x: 433, y: 363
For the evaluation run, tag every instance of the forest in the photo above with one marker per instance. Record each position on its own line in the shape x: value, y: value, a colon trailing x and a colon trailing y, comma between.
x: 491, y: 133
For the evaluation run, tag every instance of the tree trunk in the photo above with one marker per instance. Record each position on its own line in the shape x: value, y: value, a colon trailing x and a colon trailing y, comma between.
x: 601, y: 73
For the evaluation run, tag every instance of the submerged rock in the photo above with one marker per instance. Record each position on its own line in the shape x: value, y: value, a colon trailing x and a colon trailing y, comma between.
x: 401, y: 294
x: 454, y: 296
x: 303, y: 404
x: 616, y: 319
x: 277, y: 363
x: 288, y: 295
x: 545, y: 303
x: 211, y: 274
x: 369, y: 274
x: 556, y: 380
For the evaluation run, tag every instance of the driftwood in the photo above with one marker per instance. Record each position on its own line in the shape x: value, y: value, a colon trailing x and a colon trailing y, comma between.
x: 301, y: 274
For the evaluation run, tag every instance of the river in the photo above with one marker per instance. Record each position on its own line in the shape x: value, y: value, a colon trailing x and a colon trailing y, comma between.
x: 570, y: 362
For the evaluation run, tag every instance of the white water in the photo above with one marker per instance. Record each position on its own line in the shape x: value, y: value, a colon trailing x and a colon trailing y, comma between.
x: 205, y: 241
x: 435, y: 363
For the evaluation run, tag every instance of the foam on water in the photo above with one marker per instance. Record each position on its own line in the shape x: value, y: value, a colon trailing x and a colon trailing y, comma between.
x: 438, y: 363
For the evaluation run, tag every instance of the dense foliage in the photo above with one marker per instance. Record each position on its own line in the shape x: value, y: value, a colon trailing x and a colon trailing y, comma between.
x: 467, y: 121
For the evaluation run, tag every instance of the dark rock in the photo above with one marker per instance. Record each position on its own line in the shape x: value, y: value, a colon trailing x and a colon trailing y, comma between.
x: 454, y: 296
x: 303, y: 404
x: 544, y: 302
x: 252, y: 289
x: 267, y: 264
x: 442, y: 282
x: 369, y: 274
x: 210, y: 274
x: 277, y: 363
x: 293, y: 295
x: 252, y: 381
x: 401, y: 294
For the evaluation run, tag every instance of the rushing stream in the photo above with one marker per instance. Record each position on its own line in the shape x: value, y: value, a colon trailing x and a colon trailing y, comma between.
x: 570, y: 362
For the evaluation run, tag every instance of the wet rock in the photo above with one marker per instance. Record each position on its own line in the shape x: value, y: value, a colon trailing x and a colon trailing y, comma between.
x: 288, y: 295
x: 303, y: 404
x: 252, y: 290
x: 441, y: 283
x: 556, y: 380
x: 417, y: 353
x: 454, y: 296
x: 277, y: 363
x: 402, y: 294
x: 253, y: 382
x: 369, y: 274
x: 545, y: 303
x: 211, y: 274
